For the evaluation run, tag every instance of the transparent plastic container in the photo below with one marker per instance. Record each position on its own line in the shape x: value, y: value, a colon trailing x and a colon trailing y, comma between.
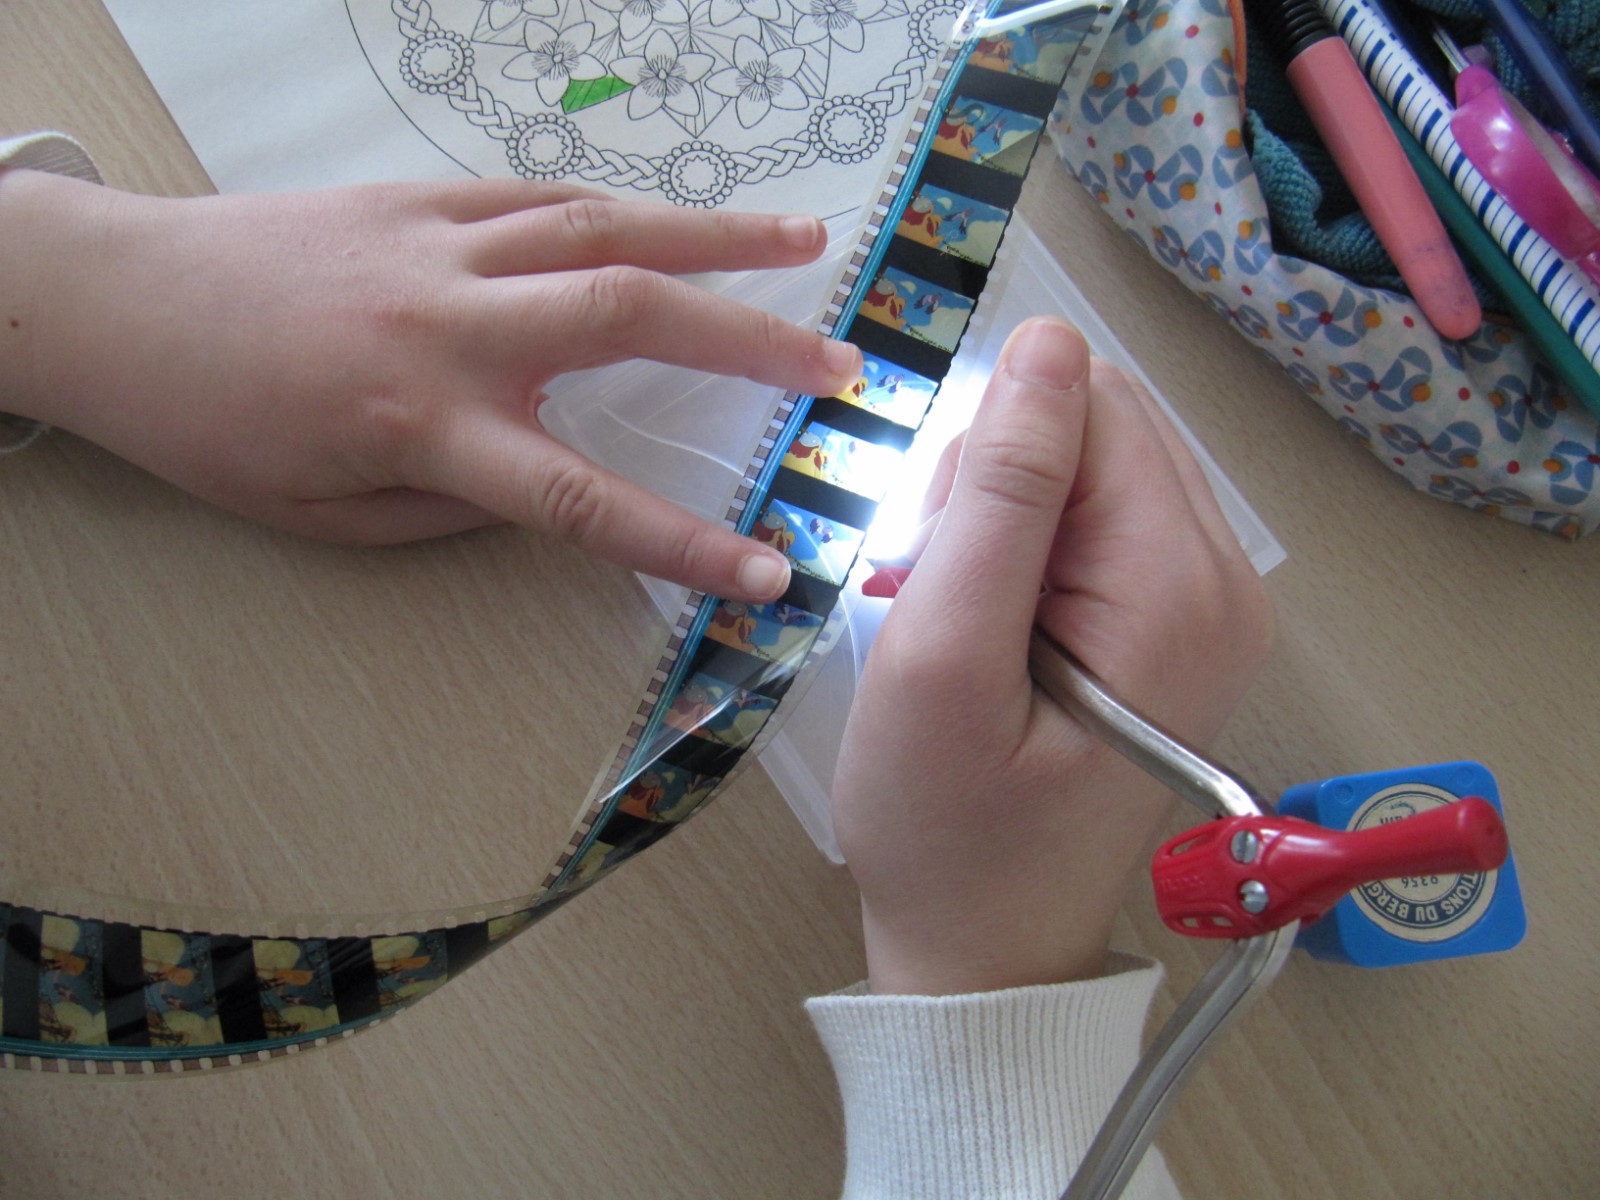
x: 687, y: 438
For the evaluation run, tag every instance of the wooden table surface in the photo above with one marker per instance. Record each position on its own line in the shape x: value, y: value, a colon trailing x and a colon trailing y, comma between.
x: 202, y: 711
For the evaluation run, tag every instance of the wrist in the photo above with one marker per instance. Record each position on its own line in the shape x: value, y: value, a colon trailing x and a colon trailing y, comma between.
x: 1029, y: 896
x: 967, y: 955
x: 45, y: 252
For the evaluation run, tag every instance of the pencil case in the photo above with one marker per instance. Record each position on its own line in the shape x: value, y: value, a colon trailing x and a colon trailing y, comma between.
x: 1181, y: 147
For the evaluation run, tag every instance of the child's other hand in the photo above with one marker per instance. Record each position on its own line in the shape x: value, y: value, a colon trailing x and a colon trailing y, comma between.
x: 990, y: 835
x: 366, y: 364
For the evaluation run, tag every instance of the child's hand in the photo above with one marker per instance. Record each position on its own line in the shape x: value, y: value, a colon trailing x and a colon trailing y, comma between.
x: 990, y: 835
x: 367, y: 364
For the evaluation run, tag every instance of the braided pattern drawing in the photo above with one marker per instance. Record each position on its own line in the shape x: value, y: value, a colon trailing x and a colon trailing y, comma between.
x: 439, y: 61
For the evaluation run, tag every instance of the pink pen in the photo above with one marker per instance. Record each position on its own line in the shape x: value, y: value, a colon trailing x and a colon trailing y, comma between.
x: 1346, y: 113
x: 1533, y: 170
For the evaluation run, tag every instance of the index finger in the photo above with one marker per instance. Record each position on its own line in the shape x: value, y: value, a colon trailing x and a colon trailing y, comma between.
x: 574, y: 320
x: 590, y: 232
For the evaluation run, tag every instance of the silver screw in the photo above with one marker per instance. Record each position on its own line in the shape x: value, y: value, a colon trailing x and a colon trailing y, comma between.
x: 1253, y: 896
x: 1245, y: 846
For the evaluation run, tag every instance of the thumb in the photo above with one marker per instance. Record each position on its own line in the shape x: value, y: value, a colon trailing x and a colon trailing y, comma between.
x: 986, y: 563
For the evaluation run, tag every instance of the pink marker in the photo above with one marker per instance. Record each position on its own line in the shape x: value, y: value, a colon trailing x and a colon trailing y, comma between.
x: 1346, y: 113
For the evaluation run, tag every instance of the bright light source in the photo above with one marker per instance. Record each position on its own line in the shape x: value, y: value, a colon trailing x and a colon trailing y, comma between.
x: 900, y: 513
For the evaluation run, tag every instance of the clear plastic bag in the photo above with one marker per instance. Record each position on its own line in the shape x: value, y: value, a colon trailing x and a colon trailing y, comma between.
x: 687, y: 438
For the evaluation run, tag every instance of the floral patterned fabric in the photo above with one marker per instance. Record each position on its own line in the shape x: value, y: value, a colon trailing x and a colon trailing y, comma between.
x: 1158, y: 139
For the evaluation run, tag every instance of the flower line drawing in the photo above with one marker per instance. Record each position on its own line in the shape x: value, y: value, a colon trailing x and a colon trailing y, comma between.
x: 764, y: 67
x: 762, y: 54
x: 554, y: 58
x: 633, y: 16
x: 837, y: 21
x: 759, y: 82
x: 662, y: 75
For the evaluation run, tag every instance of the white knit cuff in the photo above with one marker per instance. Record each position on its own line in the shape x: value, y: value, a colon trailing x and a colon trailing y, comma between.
x: 60, y: 155
x: 53, y: 152
x: 992, y: 1095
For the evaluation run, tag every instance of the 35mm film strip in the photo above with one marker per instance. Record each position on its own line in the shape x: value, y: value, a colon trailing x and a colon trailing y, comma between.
x: 86, y: 995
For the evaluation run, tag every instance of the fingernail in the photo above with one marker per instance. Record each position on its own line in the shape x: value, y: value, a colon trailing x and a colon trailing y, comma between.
x: 765, y: 575
x: 800, y: 232
x: 1047, y: 354
x: 842, y: 359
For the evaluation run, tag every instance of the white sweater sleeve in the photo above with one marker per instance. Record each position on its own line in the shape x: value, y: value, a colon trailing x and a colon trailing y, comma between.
x: 60, y: 155
x: 994, y: 1095
x: 53, y: 152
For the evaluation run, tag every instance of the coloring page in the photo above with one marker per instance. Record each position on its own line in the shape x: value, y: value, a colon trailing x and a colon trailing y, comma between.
x: 768, y: 105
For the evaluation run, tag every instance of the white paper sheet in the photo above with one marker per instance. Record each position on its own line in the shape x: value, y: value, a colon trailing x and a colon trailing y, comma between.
x: 772, y: 105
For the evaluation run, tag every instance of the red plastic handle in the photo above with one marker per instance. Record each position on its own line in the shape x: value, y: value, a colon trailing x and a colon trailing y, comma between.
x: 1241, y: 876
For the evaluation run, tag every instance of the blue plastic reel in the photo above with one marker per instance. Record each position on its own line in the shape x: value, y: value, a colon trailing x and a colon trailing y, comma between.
x: 1419, y: 918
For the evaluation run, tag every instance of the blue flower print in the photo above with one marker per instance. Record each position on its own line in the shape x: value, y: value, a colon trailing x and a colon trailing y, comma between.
x: 1356, y: 430
x: 1478, y: 422
x: 1507, y: 497
x: 1403, y: 383
x: 1461, y: 491
x: 1252, y: 249
x: 1060, y: 123
x: 1146, y: 100
x: 1216, y: 304
x: 1519, y: 403
x: 1572, y: 468
x: 1343, y: 322
x: 1140, y: 22
x: 1548, y: 401
x: 1560, y: 524
x: 1454, y: 489
x: 1307, y: 379
x: 1106, y: 91
x: 1156, y: 96
x: 1169, y: 246
x: 1204, y: 257
x: 1094, y: 181
x: 1402, y: 439
x: 1253, y: 325
x: 1457, y: 446
x: 1219, y: 78
x: 1231, y: 163
x: 1485, y: 346
x: 1172, y: 182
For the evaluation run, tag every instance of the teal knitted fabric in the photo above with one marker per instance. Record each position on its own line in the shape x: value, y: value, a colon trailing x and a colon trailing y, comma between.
x: 1314, y: 216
